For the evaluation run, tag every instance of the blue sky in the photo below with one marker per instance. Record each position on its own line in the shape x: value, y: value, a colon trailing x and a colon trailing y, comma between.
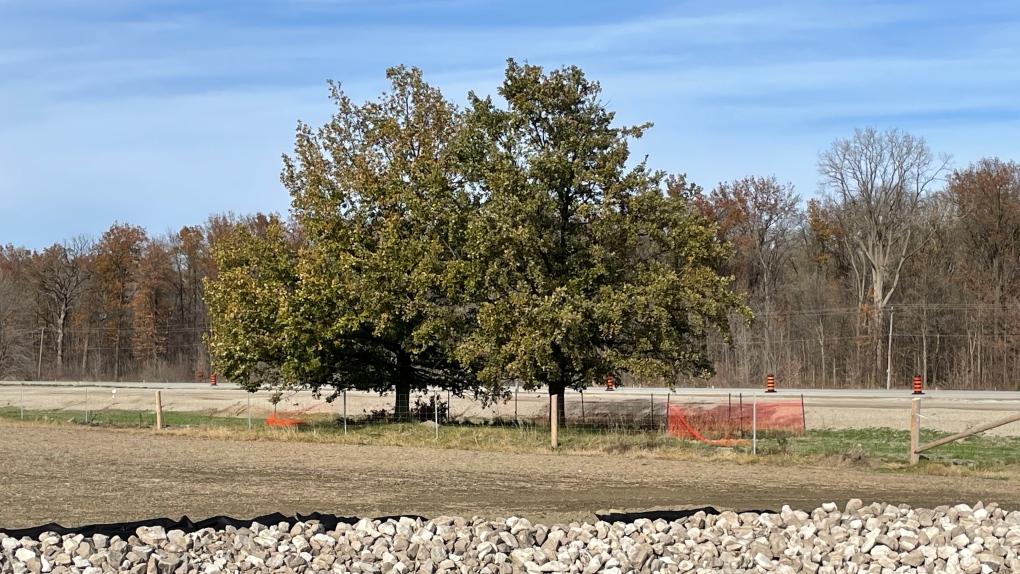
x: 158, y: 113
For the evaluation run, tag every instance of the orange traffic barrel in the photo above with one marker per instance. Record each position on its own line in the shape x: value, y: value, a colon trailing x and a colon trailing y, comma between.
x: 770, y: 384
x: 917, y: 386
x: 212, y: 380
x: 609, y: 383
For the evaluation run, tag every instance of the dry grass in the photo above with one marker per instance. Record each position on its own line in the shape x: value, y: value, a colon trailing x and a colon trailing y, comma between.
x: 824, y: 449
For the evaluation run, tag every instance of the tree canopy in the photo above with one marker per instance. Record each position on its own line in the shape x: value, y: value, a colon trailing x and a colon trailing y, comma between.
x: 580, y: 265
x: 366, y: 300
x: 468, y: 250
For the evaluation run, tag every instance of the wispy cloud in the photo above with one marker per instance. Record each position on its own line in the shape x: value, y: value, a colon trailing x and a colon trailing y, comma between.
x: 160, y: 112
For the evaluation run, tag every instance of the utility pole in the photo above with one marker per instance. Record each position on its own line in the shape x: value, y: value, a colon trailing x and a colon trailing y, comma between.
x: 42, y: 332
x: 888, y: 353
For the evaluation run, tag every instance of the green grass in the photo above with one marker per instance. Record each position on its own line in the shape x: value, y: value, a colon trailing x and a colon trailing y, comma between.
x: 887, y: 445
x: 875, y: 448
x: 127, y: 419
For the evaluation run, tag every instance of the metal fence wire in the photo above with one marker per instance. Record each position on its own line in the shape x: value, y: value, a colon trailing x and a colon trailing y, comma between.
x: 697, y: 418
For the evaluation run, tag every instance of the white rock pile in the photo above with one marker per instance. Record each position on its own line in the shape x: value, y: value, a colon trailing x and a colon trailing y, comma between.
x: 876, y: 538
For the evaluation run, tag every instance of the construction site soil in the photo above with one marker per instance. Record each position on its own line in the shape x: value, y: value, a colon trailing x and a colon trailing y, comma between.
x: 77, y: 476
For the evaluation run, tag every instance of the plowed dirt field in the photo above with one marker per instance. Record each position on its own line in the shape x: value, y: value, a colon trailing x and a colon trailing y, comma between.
x: 76, y: 476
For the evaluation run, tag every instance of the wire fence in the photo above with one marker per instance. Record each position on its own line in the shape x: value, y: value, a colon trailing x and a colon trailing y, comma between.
x: 597, y: 410
x: 599, y: 420
x: 718, y: 414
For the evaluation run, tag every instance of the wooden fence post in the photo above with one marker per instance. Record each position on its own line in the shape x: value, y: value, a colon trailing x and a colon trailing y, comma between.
x: 915, y: 430
x: 159, y: 411
x: 754, y: 424
x: 803, y: 413
x: 554, y: 420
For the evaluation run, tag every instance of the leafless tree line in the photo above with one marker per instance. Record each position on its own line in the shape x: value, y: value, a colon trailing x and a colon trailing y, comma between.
x: 902, y: 266
x: 124, y: 306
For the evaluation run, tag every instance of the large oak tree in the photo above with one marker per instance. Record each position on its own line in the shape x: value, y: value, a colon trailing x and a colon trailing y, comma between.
x: 580, y: 265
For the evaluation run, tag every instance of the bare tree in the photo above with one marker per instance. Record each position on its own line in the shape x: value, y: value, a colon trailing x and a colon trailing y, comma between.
x: 62, y: 273
x: 879, y: 180
x: 758, y: 215
x: 987, y: 199
x: 15, y: 326
x: 118, y: 254
x: 986, y: 196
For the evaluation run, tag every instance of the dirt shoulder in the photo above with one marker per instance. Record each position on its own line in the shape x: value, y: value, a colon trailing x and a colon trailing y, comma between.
x: 75, y: 476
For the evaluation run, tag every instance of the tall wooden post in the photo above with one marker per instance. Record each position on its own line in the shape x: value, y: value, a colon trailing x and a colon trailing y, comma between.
x: 516, y: 389
x: 42, y: 335
x: 554, y: 419
x: 915, y: 430
x: 159, y: 411
x: 888, y: 353
x: 754, y: 424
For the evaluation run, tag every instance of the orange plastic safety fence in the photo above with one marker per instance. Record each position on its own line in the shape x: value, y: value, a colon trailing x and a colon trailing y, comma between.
x: 717, y: 424
x: 275, y: 421
x: 283, y: 419
x: 678, y: 426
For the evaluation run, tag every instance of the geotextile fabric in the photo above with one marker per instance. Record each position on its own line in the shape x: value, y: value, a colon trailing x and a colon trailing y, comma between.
x: 328, y: 521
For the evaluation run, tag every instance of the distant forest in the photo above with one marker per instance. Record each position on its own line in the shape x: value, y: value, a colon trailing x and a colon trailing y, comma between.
x: 903, y: 261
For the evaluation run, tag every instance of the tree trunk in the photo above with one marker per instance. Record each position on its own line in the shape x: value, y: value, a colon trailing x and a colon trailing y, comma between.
x: 61, y: 320
x: 402, y: 405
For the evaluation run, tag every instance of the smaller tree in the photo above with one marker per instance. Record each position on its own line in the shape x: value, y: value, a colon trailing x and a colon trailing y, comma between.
x: 362, y: 292
x: 376, y: 193
x: 248, y: 302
